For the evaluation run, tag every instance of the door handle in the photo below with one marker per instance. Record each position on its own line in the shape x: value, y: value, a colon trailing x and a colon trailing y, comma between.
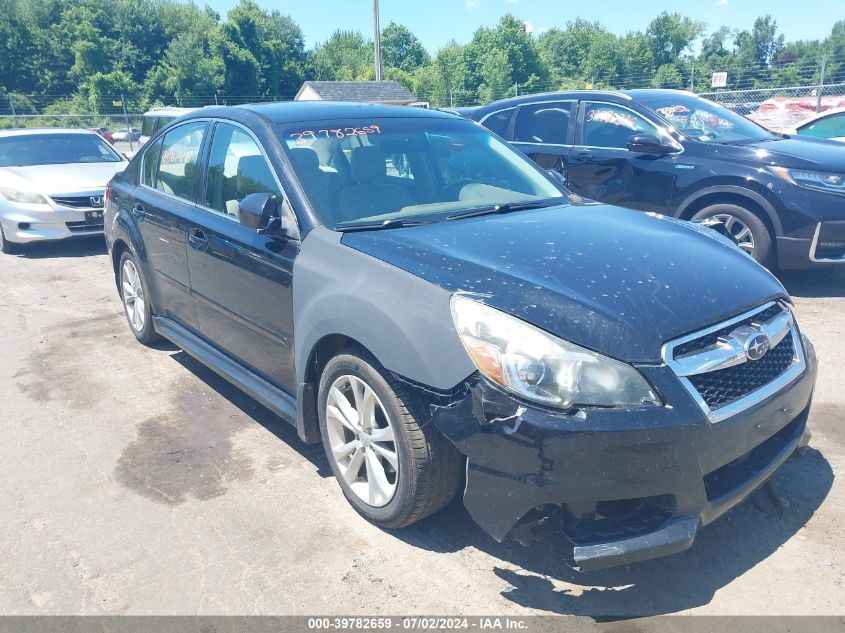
x: 581, y: 156
x: 198, y: 239
x: 137, y: 209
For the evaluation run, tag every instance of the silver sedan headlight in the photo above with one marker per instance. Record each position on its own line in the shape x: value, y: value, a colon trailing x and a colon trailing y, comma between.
x: 542, y: 368
x: 24, y: 197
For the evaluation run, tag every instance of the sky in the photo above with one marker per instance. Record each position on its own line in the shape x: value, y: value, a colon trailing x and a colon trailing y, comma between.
x: 436, y: 22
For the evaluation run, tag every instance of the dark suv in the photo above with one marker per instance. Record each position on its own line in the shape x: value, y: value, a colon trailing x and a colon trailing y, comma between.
x: 669, y: 151
x: 405, y: 287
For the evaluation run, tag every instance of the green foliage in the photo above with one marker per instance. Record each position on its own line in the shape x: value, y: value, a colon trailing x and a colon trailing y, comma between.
x: 173, y: 51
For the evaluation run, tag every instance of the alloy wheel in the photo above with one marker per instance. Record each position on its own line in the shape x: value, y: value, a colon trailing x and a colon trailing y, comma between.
x: 740, y: 231
x: 362, y: 440
x: 133, y: 295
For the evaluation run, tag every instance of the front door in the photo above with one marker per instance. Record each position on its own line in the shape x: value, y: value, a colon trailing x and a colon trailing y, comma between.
x: 162, y: 206
x: 601, y: 167
x: 242, y: 281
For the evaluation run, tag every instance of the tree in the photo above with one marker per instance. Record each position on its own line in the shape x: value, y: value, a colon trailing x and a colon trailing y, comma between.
x: 671, y: 34
x: 345, y: 56
x: 401, y: 49
x: 565, y: 51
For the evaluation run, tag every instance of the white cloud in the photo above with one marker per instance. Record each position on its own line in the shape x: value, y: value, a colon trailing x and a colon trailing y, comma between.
x: 721, y: 3
x: 512, y: 1
x: 472, y: 5
x: 528, y: 26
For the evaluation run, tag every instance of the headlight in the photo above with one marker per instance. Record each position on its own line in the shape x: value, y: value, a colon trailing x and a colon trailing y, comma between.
x: 822, y: 181
x: 13, y: 195
x: 542, y: 368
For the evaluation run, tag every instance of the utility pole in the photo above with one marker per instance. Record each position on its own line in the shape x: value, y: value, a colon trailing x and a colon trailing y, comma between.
x: 821, y: 84
x: 451, y: 101
x: 377, y: 39
x: 692, y: 80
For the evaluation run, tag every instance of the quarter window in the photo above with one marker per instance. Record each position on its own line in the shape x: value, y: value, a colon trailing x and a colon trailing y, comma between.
x: 177, y: 169
x: 236, y: 169
x: 608, y: 125
x: 543, y: 123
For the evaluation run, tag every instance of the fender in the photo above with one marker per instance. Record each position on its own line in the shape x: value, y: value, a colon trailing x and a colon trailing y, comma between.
x: 403, y: 320
x: 734, y: 190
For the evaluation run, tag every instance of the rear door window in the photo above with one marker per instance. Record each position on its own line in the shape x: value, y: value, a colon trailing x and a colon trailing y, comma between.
x: 498, y: 122
x: 180, y: 151
x: 543, y: 123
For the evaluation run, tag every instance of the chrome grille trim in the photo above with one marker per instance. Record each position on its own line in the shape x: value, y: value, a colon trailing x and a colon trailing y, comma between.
x: 717, y: 357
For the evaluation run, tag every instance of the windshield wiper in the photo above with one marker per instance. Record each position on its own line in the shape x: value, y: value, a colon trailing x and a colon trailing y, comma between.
x: 376, y: 226
x: 505, y: 207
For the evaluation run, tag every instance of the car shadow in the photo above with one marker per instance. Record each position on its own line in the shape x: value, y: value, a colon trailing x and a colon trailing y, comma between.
x: 77, y: 247
x: 537, y: 578
x: 820, y: 282
x: 262, y: 415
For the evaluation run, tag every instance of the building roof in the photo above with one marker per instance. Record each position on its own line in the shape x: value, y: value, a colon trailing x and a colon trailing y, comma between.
x: 364, y: 91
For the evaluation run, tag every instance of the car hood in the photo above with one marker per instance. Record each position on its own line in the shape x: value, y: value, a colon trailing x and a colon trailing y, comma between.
x: 616, y: 281
x: 58, y: 179
x: 797, y: 153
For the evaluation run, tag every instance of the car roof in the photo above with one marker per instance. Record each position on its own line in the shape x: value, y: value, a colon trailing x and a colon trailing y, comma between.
x: 31, y: 131
x: 168, y: 111
x: 295, y: 111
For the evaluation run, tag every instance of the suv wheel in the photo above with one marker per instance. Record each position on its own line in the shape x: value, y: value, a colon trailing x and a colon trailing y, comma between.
x: 133, y: 293
x: 392, y: 468
x: 747, y: 228
x: 6, y: 246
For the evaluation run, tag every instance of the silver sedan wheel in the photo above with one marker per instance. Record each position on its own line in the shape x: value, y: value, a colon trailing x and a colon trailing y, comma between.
x: 740, y: 231
x: 362, y: 441
x: 133, y: 295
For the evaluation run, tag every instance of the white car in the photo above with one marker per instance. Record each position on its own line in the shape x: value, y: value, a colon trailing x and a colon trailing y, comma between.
x: 52, y: 184
x: 829, y: 124
x: 126, y: 134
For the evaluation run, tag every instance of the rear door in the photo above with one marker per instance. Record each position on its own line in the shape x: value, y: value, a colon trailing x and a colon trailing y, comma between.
x: 601, y: 167
x: 544, y: 131
x: 241, y: 280
x: 162, y: 206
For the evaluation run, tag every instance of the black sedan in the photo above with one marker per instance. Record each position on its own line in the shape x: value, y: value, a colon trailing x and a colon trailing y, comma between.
x: 408, y: 289
x: 671, y: 152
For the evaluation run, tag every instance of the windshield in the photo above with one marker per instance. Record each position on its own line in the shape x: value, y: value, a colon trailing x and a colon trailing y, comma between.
x: 706, y: 121
x: 408, y: 169
x: 55, y: 149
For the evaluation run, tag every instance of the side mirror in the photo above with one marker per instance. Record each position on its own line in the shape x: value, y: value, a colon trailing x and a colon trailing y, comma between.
x: 257, y: 210
x: 648, y: 144
x: 262, y: 212
x: 555, y: 175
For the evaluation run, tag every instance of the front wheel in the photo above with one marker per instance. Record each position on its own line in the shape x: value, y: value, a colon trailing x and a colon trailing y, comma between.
x: 6, y: 246
x: 747, y: 228
x: 393, y: 469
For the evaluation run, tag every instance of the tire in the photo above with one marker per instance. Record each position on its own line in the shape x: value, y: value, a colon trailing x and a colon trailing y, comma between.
x: 430, y: 468
x: 135, y: 299
x: 741, y: 222
x: 10, y: 248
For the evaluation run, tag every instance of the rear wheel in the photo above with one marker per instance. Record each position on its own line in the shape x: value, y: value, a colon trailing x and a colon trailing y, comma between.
x: 136, y: 305
x: 393, y: 469
x: 747, y: 228
x: 7, y: 246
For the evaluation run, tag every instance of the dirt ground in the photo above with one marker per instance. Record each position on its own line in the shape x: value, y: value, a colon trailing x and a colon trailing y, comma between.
x: 134, y: 481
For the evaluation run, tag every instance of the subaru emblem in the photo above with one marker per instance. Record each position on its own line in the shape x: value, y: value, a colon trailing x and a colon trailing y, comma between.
x: 757, y: 346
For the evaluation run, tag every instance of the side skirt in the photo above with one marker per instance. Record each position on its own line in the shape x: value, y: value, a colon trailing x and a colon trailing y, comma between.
x: 275, y: 399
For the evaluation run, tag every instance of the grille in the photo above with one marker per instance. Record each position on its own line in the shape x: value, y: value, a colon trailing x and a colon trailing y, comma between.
x: 84, y: 227
x: 725, y: 386
x: 74, y: 202
x: 711, y: 339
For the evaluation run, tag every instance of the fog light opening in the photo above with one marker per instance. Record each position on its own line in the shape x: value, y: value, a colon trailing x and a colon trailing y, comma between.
x: 24, y: 226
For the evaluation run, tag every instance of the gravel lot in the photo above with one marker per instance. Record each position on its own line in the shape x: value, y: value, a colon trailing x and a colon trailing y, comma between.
x: 134, y: 481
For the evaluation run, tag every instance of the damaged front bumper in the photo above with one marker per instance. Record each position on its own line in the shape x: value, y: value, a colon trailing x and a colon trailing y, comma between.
x: 621, y: 485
